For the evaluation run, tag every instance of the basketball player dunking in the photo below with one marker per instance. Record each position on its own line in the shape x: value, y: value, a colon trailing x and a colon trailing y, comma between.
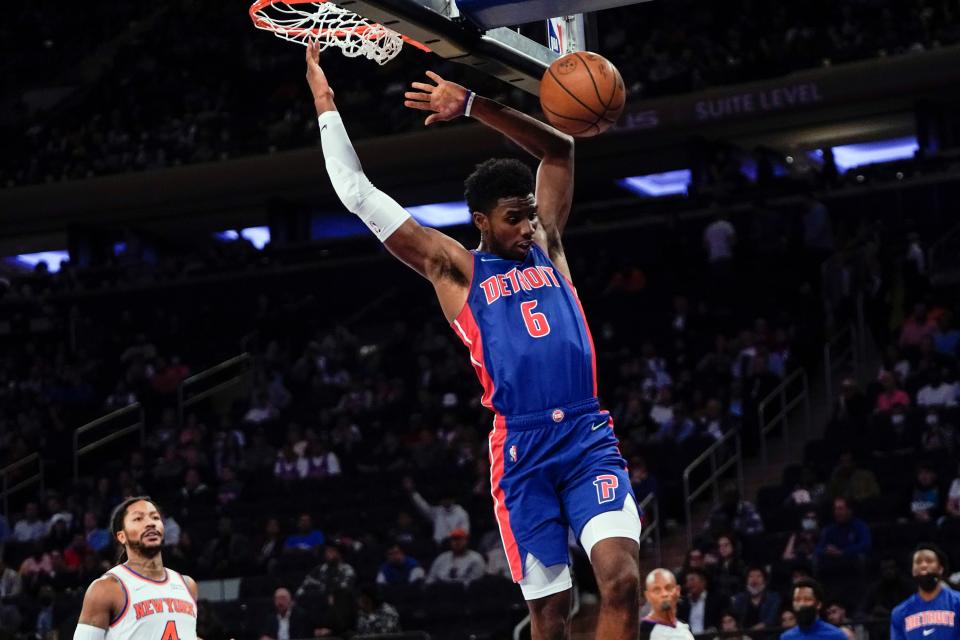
x: 139, y: 598
x: 554, y: 458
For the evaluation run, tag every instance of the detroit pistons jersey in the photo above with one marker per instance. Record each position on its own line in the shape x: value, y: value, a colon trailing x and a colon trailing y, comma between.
x: 153, y: 609
x: 527, y: 334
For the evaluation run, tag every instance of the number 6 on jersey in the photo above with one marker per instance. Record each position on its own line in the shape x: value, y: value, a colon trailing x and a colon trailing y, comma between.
x: 537, y: 325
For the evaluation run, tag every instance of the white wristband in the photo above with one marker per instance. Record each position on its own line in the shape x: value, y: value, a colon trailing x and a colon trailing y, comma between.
x: 466, y: 109
x: 379, y: 212
x: 89, y: 632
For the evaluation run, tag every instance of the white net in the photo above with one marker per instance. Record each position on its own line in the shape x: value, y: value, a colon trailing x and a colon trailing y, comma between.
x: 331, y: 26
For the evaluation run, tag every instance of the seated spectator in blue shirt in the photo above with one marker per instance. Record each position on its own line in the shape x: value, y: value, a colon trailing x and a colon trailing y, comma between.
x: 677, y: 429
x: 306, y: 538
x: 757, y: 607
x: 807, y: 601
x: 847, y: 537
x: 399, y: 568
x: 644, y: 483
x: 97, y: 537
x: 946, y: 338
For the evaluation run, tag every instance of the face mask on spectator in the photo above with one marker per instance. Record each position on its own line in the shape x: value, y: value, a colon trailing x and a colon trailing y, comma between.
x: 809, y: 524
x: 755, y: 590
x: 933, y: 419
x: 897, y: 418
x: 806, y: 616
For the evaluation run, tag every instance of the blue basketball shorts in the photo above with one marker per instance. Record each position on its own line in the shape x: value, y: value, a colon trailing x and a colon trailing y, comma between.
x: 550, y: 472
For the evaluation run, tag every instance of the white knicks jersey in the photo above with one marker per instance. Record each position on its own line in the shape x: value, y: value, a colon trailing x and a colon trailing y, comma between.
x: 153, y: 609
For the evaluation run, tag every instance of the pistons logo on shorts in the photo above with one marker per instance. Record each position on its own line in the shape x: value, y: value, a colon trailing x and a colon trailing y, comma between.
x: 606, y: 487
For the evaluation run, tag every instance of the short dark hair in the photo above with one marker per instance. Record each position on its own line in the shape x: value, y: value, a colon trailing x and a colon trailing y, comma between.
x: 494, y: 179
x: 116, y: 521
x: 813, y: 585
x: 941, y: 556
x: 696, y: 571
x: 760, y: 568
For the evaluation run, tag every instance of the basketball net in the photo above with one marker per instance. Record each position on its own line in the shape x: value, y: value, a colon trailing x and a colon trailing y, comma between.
x: 306, y: 21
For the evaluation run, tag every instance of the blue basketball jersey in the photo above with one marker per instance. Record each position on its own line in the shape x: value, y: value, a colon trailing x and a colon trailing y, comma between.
x: 916, y: 619
x: 527, y: 335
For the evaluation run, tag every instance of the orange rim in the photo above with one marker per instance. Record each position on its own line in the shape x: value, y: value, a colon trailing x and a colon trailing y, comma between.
x: 361, y: 30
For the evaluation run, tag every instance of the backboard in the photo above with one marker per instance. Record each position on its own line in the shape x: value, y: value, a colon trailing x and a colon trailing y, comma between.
x: 478, y: 33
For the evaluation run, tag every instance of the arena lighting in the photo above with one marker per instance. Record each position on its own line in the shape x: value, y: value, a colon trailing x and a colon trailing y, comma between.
x: 657, y: 185
x: 259, y: 237
x: 441, y: 214
x: 52, y: 258
x: 856, y: 155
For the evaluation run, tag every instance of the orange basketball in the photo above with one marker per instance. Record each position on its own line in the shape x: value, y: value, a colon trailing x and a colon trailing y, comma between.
x: 582, y: 94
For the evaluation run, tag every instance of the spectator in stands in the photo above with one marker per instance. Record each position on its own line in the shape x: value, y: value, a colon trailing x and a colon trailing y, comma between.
x: 399, y: 568
x: 209, y: 625
x: 713, y: 423
x: 307, y: 538
x: 836, y: 614
x: 807, y: 490
x: 404, y: 530
x: 10, y: 583
x: 734, y: 514
x: 261, y: 410
x: 643, y: 482
x: 757, y: 607
x: 889, y: 590
x: 260, y: 455
x: 30, y: 527
x: 851, y: 482
x: 76, y: 552
x: 890, y: 394
x: 925, y: 500
x: 946, y: 338
x: 678, y: 428
x: 229, y: 488
x: 171, y: 530
x: 852, y: 406
x: 227, y: 554
x: 374, y: 615
x: 938, y: 437
x: 46, y: 622
x: 700, y: 608
x: 287, y: 622
x: 953, y: 498
x: 446, y: 517
x: 331, y: 575
x: 719, y: 238
x: 286, y: 469
x: 788, y: 620
x: 58, y: 536
x: 937, y: 392
x: 459, y: 564
x: 36, y: 566
x: 271, y: 545
x: 802, y: 545
x: 195, y: 496
x: 916, y: 327
x: 807, y: 603
x: 661, y: 413
x: 847, y: 538
x: 729, y: 571
x: 729, y: 628
x: 340, y: 617
x: 317, y: 461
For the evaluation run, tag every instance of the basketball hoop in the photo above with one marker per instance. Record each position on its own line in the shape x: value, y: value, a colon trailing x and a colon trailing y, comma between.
x: 306, y: 21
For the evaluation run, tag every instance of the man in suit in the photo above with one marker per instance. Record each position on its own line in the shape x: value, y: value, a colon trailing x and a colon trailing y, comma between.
x: 287, y: 620
x: 701, y: 608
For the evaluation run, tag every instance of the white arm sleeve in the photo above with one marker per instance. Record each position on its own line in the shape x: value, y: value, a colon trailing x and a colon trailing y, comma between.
x: 379, y: 212
x: 89, y: 632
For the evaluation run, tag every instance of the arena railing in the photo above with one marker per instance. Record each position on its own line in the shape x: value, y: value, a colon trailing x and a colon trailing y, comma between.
x: 781, y: 402
x: 35, y: 478
x: 718, y: 470
x: 228, y: 373
x: 650, y: 508
x: 121, y: 416
x: 841, y: 354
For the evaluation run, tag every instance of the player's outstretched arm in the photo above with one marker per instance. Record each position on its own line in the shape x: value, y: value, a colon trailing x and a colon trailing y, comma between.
x: 554, y: 149
x: 437, y: 257
x: 104, y: 598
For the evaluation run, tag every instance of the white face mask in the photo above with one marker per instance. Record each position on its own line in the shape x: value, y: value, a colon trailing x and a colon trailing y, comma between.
x: 933, y: 419
x: 897, y: 418
x: 809, y: 524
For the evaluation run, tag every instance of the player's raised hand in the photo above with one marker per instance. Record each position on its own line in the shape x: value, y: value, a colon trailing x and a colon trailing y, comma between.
x: 445, y: 99
x: 319, y: 87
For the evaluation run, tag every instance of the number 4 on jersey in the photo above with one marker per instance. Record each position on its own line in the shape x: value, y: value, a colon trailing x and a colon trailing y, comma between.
x: 170, y: 631
x: 537, y: 325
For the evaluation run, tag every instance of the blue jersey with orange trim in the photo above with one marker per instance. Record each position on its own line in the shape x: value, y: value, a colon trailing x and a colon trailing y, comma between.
x: 527, y: 335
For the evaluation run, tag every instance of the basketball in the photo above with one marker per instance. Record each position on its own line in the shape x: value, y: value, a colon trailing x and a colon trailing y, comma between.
x: 582, y: 94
